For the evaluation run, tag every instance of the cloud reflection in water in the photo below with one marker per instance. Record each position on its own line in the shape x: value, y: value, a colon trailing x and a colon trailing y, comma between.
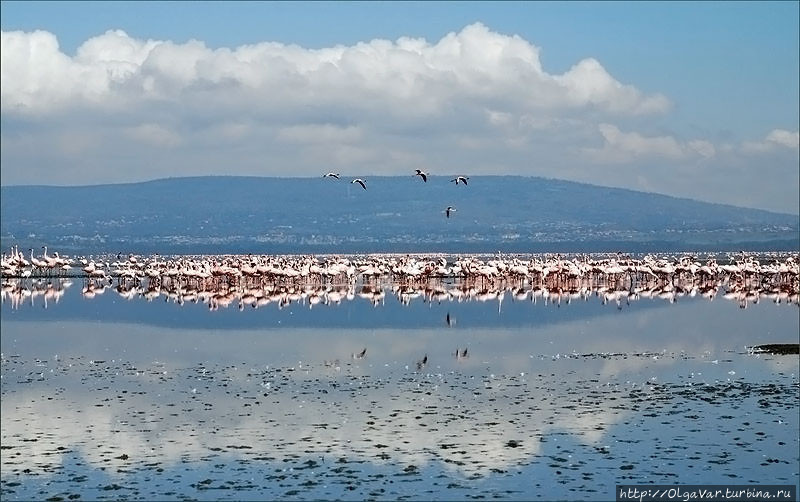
x: 576, y: 397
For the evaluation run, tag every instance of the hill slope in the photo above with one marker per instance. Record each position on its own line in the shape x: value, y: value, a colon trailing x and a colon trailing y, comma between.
x: 305, y: 215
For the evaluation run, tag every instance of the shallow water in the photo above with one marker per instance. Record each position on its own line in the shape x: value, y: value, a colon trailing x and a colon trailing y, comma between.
x: 109, y: 398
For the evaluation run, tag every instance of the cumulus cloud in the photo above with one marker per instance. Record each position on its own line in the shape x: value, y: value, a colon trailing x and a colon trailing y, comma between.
x: 702, y: 147
x: 316, y: 133
x: 619, y: 146
x: 589, y: 83
x: 784, y: 138
x: 474, y: 102
x: 154, y: 134
x: 776, y: 139
x: 407, y: 76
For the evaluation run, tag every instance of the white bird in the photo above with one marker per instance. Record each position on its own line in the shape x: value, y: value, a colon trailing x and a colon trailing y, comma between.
x: 360, y: 182
x: 460, y: 179
x: 422, y: 174
x: 331, y: 175
x: 449, y: 210
x: 37, y: 262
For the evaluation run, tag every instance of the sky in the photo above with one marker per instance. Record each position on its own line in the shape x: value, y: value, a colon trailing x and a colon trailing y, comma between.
x: 690, y: 99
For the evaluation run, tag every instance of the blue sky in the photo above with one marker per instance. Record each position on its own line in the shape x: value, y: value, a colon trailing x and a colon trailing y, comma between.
x: 728, y: 71
x: 693, y: 51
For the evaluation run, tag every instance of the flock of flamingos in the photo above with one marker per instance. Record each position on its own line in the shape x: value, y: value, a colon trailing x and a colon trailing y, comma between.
x: 257, y: 280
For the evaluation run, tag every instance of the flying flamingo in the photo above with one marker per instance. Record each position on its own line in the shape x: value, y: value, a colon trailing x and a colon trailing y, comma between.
x: 360, y: 182
x: 422, y: 174
x: 331, y: 175
x: 460, y: 179
x: 449, y: 210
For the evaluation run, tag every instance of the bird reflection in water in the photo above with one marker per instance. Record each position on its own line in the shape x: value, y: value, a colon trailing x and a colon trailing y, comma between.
x: 257, y: 281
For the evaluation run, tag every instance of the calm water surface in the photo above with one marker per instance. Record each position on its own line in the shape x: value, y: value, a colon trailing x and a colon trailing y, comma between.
x: 115, y: 398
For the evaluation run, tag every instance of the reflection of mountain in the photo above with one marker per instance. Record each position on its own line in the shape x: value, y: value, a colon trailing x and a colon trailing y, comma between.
x: 272, y: 215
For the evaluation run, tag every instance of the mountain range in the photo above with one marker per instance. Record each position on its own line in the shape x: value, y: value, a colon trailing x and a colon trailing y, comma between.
x: 232, y: 214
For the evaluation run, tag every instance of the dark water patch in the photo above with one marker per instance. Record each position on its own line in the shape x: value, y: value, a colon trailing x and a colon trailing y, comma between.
x: 778, y: 348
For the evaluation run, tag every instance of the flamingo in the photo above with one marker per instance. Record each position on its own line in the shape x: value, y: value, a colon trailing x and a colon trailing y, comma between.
x: 331, y: 175
x: 449, y: 210
x: 360, y: 182
x: 47, y: 259
x: 460, y: 179
x: 50, y: 262
x: 37, y: 262
x: 422, y: 174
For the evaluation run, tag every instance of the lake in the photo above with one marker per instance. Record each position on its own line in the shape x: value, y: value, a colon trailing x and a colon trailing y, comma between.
x: 387, y: 391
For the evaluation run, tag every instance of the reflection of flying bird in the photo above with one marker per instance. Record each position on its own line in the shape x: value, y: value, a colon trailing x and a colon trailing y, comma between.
x: 360, y: 182
x: 422, y: 362
x: 449, y: 210
x: 449, y: 320
x: 422, y: 174
x: 361, y: 354
x: 331, y: 175
x: 461, y: 354
x: 460, y: 179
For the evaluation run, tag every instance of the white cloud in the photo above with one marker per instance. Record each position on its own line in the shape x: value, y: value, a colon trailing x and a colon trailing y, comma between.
x: 232, y: 130
x: 621, y: 146
x: 784, y: 138
x: 409, y: 76
x: 154, y: 134
x: 588, y: 82
x: 474, y: 102
x: 320, y: 133
x: 702, y: 147
x: 776, y: 139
